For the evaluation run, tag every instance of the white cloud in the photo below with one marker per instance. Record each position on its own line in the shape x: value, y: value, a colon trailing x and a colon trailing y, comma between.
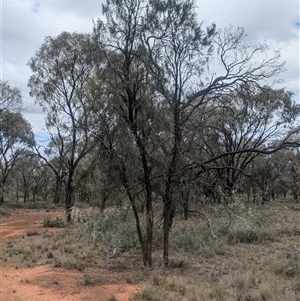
x: 25, y: 24
x: 273, y: 19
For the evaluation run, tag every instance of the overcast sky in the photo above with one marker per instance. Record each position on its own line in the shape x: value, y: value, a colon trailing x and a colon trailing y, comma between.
x: 25, y: 24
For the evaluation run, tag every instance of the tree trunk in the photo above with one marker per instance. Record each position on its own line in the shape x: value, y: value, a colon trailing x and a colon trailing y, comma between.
x: 168, y: 215
x: 70, y: 197
x: 185, y: 206
x: 57, y: 190
x: 1, y: 197
x: 149, y: 221
x: 139, y: 232
x: 137, y: 219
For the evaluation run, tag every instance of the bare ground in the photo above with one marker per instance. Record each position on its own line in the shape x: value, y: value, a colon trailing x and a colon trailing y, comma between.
x: 45, y: 282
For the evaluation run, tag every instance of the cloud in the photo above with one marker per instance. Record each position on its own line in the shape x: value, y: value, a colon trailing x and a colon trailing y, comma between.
x: 268, y: 18
x: 85, y: 9
x: 26, y: 23
x: 273, y: 20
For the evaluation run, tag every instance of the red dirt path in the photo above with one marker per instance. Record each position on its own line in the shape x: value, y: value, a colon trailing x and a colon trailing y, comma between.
x: 44, y: 282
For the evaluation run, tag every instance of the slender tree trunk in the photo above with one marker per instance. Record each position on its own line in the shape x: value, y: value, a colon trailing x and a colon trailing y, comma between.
x: 139, y: 230
x: 136, y: 216
x: 169, y: 205
x: 148, y: 188
x: 17, y: 195
x: 70, y: 197
x: 2, y: 191
x: 185, y: 206
x: 57, y: 190
x: 105, y: 196
x: 149, y: 221
x: 168, y: 215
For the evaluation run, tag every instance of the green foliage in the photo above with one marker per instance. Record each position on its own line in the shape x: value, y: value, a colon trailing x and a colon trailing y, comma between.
x: 195, y: 239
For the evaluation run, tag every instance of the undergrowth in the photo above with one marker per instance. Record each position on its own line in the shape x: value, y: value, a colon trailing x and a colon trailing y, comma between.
x: 229, y: 253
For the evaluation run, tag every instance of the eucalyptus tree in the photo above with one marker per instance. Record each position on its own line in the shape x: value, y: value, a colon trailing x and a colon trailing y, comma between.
x: 133, y: 112
x: 61, y: 68
x: 146, y: 105
x: 27, y: 178
x: 293, y: 176
x: 247, y: 119
x: 55, y: 156
x: 15, y: 136
x: 10, y: 97
x: 164, y: 73
x: 180, y: 53
x: 15, y: 132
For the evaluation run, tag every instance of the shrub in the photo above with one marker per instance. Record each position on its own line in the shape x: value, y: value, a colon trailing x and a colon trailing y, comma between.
x: 32, y: 233
x: 54, y: 223
x: 108, y: 228
x: 4, y: 212
x: 288, y: 269
x: 249, y: 236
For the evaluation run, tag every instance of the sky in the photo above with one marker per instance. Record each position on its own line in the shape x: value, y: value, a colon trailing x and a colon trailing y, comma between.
x: 26, y: 23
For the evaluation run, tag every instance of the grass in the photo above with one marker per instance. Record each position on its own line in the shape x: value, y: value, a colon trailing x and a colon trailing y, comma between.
x: 255, y: 257
x: 55, y: 222
x: 4, y: 212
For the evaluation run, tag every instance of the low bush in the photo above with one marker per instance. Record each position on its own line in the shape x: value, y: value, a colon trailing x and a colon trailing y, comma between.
x: 249, y: 236
x: 288, y: 269
x: 4, y: 212
x: 55, y: 223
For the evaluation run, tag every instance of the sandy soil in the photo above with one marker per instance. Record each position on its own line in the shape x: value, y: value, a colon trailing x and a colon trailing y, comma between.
x: 46, y: 283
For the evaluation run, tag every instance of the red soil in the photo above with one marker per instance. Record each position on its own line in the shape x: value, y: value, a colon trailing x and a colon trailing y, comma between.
x: 46, y: 283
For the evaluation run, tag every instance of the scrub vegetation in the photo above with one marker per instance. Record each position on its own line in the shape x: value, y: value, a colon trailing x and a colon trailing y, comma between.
x: 173, y: 149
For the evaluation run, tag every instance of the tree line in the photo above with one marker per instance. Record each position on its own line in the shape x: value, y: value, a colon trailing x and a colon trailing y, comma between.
x: 153, y: 109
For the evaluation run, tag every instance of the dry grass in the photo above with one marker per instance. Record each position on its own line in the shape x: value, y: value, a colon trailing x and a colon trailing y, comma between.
x: 256, y: 258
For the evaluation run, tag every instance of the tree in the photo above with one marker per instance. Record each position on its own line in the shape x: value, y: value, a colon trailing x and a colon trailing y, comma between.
x: 61, y: 68
x: 158, y: 61
x: 15, y: 136
x: 55, y: 156
x: 247, y: 119
x: 10, y: 98
x: 126, y: 78
x: 137, y: 79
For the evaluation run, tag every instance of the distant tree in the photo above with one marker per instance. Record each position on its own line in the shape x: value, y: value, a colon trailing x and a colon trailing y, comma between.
x: 15, y: 136
x: 10, y: 97
x: 61, y: 68
x: 248, y: 119
x: 55, y: 156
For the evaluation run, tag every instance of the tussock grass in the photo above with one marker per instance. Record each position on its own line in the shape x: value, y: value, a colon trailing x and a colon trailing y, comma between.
x: 249, y: 236
x: 56, y: 222
x: 4, y: 212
